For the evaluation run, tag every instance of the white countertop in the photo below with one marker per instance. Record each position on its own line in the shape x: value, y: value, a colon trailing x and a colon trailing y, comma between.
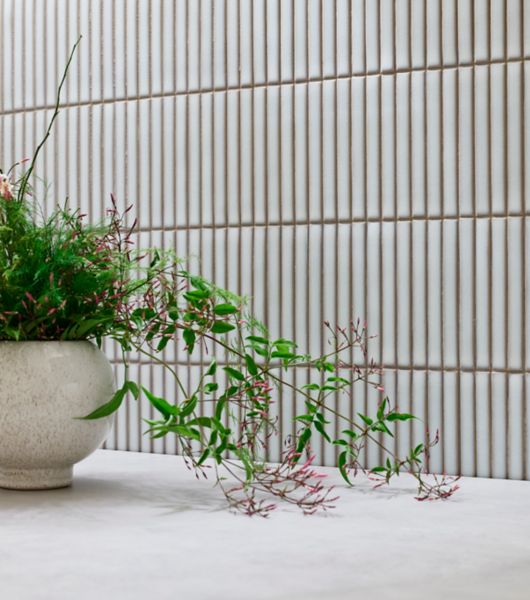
x: 138, y: 526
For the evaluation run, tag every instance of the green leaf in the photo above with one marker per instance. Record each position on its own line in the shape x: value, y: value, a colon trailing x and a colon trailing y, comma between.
x: 418, y: 449
x: 380, y: 426
x: 199, y: 283
x: 213, y: 438
x: 220, y: 449
x: 173, y: 314
x: 200, y: 421
x: 163, y: 343
x: 304, y: 418
x: 251, y: 365
x: 210, y: 388
x: 170, y: 330
x: 225, y: 309
x: 320, y: 428
x: 161, y: 404
x: 189, y: 338
x: 83, y: 327
x: 323, y: 365
x: 219, y: 408
x: 258, y: 339
x: 194, y: 295
x: 152, y: 332
x: 212, y: 368
x: 378, y: 470
x: 285, y: 355
x: 343, y: 456
x: 204, y: 456
x: 310, y: 406
x: 133, y: 388
x: 311, y: 386
x: 259, y: 350
x: 283, y: 345
x: 184, y: 431
x: 339, y: 380
x: 242, y: 454
x: 110, y: 407
x: 340, y: 442
x: 366, y: 419
x: 350, y: 433
x: 188, y: 407
x: 381, y: 409
x: 302, y: 441
x: 322, y: 419
x: 234, y: 373
x: 155, y: 259
x: 222, y: 327
x: 161, y: 433
x: 216, y: 423
x: 400, y: 417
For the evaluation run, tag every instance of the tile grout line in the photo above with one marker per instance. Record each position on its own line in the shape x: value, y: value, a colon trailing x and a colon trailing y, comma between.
x: 519, y: 74
x: 442, y: 235
x: 489, y: 223
x: 426, y: 174
x: 302, y: 81
x: 391, y: 367
x: 474, y: 244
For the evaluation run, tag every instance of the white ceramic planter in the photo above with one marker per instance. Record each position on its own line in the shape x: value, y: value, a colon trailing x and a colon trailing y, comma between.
x: 43, y: 387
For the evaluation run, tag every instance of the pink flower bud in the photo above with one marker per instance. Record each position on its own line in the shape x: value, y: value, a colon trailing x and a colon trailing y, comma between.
x: 6, y: 188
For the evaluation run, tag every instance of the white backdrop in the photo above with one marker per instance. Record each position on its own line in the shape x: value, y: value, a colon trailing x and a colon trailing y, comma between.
x: 329, y: 158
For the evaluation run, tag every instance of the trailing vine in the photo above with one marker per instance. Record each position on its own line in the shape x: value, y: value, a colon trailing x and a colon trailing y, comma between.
x: 64, y: 279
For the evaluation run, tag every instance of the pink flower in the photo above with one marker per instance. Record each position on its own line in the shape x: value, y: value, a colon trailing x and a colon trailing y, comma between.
x: 6, y: 188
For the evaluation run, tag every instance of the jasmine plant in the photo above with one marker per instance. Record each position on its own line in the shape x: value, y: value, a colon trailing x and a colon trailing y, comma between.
x: 62, y: 278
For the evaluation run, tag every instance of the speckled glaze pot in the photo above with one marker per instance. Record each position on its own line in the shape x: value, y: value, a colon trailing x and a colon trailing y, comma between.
x: 43, y: 387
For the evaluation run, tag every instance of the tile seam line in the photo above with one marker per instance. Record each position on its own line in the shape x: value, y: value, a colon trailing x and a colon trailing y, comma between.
x: 269, y: 84
x: 385, y: 368
x: 375, y: 220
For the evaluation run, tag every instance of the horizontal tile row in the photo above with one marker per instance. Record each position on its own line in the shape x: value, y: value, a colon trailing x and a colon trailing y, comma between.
x: 439, y: 295
x: 432, y: 144
x: 480, y: 418
x: 145, y: 47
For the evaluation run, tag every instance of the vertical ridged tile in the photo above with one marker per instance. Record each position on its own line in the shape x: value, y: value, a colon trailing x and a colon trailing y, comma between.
x: 498, y: 29
x: 466, y: 25
x: 481, y: 30
x: 358, y: 13
x: 401, y: 197
x: 418, y: 33
x: 513, y: 27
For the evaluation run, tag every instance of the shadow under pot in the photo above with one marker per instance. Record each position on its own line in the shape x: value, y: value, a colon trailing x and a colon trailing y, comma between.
x: 44, y: 386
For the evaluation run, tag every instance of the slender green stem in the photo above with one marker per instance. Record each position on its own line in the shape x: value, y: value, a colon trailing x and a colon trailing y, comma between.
x: 27, y: 174
x: 164, y: 364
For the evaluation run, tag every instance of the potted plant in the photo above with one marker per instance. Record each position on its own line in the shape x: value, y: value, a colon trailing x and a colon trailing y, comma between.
x: 66, y: 285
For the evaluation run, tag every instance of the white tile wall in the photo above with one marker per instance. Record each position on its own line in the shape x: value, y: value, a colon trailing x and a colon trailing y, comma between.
x: 329, y: 158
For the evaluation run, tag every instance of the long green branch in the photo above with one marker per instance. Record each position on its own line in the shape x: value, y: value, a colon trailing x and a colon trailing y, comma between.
x: 27, y: 174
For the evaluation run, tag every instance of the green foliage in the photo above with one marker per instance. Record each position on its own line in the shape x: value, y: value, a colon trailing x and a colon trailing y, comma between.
x: 59, y: 278
x: 114, y: 403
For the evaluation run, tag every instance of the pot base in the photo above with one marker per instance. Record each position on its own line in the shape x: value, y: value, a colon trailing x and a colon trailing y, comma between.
x: 35, y: 479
